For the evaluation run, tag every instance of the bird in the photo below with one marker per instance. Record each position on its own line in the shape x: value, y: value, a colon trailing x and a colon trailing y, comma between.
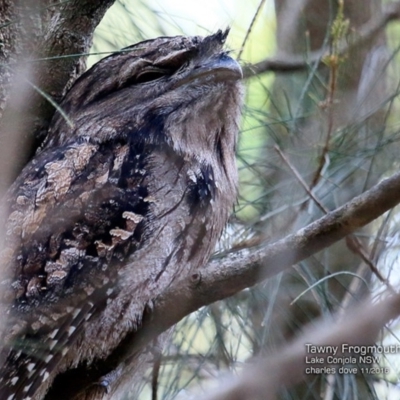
x: 130, y: 190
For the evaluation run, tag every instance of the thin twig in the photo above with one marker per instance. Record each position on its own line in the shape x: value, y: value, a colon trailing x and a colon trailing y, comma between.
x: 300, y: 179
x: 250, y: 28
x: 352, y: 242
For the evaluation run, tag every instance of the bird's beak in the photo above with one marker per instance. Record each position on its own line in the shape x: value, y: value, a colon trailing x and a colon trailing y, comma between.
x: 219, y: 68
x: 222, y: 65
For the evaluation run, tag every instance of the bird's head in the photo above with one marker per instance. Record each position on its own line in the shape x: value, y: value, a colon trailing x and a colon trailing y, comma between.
x: 182, y: 90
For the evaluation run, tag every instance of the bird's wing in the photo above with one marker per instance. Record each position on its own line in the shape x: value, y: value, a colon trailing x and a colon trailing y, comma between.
x: 73, y: 212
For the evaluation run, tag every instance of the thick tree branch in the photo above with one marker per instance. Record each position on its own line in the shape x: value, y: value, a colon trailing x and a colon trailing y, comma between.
x: 226, y: 276
x: 293, y: 63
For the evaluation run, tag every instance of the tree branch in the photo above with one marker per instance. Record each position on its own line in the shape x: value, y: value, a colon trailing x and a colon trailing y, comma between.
x: 228, y: 275
x: 286, y: 366
x: 32, y: 30
x: 293, y: 63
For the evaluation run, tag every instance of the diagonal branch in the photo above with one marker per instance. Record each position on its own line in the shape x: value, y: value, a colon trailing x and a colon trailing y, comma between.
x: 226, y: 276
x: 287, y: 366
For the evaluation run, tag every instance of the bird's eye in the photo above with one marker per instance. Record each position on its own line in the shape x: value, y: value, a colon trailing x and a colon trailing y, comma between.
x: 151, y: 74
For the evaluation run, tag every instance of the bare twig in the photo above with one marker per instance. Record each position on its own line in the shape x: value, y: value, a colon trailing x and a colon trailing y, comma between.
x: 301, y: 180
x: 260, y: 6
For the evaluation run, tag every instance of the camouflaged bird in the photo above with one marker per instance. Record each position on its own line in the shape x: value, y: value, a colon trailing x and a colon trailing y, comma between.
x: 131, y: 189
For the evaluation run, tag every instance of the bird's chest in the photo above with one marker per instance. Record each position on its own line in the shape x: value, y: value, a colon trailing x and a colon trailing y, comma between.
x: 186, y: 214
x: 184, y: 221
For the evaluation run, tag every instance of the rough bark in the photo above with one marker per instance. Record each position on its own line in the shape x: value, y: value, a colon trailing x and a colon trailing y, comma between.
x: 44, y: 50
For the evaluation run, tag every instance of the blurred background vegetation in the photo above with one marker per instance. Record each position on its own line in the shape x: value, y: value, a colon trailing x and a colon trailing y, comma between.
x: 311, y: 139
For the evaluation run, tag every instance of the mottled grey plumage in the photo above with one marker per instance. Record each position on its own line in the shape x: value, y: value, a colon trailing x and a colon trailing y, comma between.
x: 128, y: 194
